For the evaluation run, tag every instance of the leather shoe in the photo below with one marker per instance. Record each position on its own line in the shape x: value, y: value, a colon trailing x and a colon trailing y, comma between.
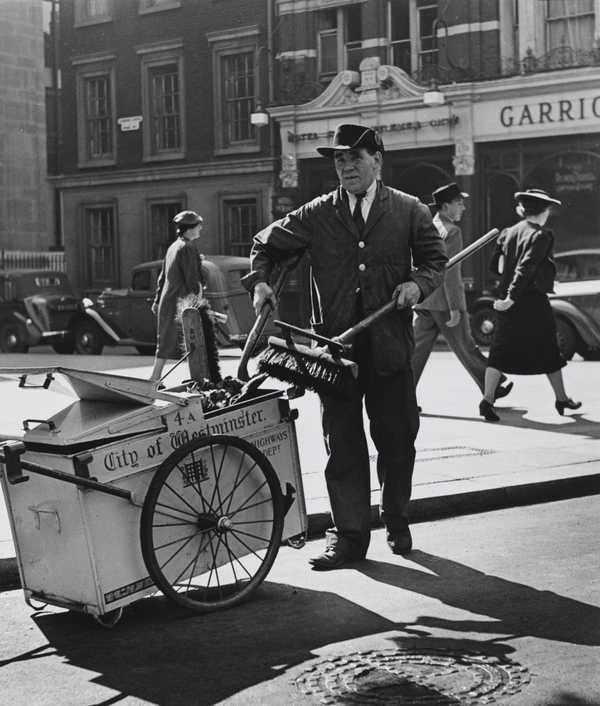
x: 503, y: 390
x: 561, y: 405
x: 400, y: 542
x: 331, y: 558
x: 486, y: 409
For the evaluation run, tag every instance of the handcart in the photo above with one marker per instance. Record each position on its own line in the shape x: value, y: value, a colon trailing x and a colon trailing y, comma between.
x: 126, y: 491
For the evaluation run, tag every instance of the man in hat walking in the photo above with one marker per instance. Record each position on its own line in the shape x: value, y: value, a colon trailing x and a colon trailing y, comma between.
x: 368, y: 244
x: 445, y: 310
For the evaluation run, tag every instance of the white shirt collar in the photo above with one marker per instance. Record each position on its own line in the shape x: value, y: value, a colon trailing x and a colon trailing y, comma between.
x: 368, y: 198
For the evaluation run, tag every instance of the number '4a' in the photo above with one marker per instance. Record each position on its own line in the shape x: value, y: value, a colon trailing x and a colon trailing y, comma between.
x: 183, y: 418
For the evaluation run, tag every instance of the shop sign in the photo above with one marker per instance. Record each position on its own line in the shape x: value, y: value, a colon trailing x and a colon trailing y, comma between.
x: 414, y: 125
x: 564, y: 110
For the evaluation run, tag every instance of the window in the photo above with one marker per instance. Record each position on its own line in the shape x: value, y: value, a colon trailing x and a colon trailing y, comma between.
x: 96, y: 116
x: 147, y: 6
x: 163, y: 100
x: 240, y: 225
x: 569, y: 23
x: 93, y: 11
x: 236, y: 81
x: 165, y: 110
x: 400, y: 35
x: 100, y: 250
x: 141, y: 281
x: 427, y: 24
x: 412, y: 34
x: 162, y: 229
x: 339, y: 40
x: 237, y: 72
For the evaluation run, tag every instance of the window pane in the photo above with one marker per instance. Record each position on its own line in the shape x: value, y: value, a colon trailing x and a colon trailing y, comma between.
x: 165, y: 110
x: 98, y: 117
x: 328, y: 52
x: 400, y: 20
x: 568, y: 8
x: 237, y: 74
x: 240, y: 218
x: 101, y: 265
x: 162, y: 230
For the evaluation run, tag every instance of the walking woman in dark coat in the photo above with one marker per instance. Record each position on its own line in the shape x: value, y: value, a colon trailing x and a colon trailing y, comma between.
x: 524, y: 341
x: 179, y: 277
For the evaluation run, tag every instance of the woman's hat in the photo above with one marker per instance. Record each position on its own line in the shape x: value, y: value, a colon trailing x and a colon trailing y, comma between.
x: 187, y: 218
x: 349, y: 137
x: 538, y: 194
x: 447, y: 193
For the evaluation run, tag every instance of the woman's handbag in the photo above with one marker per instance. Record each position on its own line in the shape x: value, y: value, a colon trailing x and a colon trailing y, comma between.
x: 496, y: 264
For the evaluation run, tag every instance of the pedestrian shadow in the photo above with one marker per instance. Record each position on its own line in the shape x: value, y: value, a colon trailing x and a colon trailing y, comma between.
x: 510, y: 608
x: 516, y: 417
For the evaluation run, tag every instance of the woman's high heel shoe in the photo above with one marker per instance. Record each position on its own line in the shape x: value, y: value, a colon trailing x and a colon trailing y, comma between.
x: 486, y: 409
x: 561, y: 405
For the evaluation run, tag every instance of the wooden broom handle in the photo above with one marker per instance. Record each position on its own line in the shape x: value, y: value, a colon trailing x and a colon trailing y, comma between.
x: 352, y: 332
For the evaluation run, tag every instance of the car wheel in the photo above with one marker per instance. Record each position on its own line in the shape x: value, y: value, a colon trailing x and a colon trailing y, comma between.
x: 483, y: 323
x: 88, y: 339
x: 66, y: 346
x: 566, y: 338
x: 146, y: 350
x: 13, y: 338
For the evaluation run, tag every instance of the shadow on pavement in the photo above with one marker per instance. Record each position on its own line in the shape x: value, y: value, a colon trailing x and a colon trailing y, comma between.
x: 513, y: 608
x: 515, y: 417
x: 163, y: 656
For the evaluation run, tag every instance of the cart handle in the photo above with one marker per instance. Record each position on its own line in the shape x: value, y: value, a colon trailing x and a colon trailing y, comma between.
x: 11, y: 456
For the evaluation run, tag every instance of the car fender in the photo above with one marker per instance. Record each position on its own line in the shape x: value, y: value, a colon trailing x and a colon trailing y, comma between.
x: 585, y: 327
x: 483, y: 302
x: 34, y: 335
x: 108, y: 330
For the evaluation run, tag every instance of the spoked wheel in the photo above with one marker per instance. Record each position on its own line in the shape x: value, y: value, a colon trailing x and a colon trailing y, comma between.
x: 211, y: 523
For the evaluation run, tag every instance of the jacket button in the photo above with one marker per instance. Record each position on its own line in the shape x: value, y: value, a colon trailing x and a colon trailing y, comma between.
x: 362, y: 267
x: 361, y: 244
x: 357, y: 290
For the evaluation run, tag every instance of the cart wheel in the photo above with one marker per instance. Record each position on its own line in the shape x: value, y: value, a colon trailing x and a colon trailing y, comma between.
x: 110, y: 619
x: 211, y: 523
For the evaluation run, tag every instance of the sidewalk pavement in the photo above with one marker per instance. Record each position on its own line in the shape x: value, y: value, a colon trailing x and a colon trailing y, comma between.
x: 463, y: 464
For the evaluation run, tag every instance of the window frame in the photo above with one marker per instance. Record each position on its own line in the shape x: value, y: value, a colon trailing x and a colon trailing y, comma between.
x: 152, y: 58
x: 414, y: 36
x: 168, y: 5
x: 109, y: 205
x: 228, y: 198
x: 81, y: 19
x: 181, y: 199
x: 224, y: 44
x: 86, y: 70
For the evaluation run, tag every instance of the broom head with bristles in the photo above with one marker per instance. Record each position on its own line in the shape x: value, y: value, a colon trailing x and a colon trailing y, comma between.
x: 310, y: 368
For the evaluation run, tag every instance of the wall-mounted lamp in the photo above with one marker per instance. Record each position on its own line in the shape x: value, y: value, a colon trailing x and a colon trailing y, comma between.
x: 433, y: 96
x: 260, y: 117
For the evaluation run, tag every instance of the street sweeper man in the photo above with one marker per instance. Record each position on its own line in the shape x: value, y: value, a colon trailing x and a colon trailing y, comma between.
x: 368, y: 244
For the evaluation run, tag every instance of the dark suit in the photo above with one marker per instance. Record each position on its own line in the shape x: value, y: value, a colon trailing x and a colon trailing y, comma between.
x: 356, y: 273
x: 434, y: 312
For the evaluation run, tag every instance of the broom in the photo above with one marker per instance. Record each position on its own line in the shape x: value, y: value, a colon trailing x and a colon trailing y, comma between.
x: 322, y: 368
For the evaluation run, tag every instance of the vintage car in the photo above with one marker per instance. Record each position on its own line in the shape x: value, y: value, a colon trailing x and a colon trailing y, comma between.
x: 37, y: 307
x: 122, y: 317
x: 575, y: 302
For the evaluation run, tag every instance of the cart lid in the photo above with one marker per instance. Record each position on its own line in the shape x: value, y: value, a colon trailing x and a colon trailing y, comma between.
x: 98, y: 385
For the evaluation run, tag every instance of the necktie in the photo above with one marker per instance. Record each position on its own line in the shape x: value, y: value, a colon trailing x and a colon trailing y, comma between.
x: 357, y: 216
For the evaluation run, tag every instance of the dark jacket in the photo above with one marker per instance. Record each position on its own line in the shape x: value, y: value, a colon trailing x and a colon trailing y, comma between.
x: 399, y: 243
x: 528, y: 264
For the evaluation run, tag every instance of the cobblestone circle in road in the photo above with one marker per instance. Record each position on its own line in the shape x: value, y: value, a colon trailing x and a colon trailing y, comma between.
x: 415, y: 677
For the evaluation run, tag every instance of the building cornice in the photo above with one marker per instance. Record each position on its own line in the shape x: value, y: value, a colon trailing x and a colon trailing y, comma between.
x: 145, y: 175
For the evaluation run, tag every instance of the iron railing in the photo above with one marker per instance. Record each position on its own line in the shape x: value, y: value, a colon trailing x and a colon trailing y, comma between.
x: 32, y: 259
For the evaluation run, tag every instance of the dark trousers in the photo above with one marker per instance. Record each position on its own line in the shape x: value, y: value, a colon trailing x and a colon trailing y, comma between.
x: 394, y: 421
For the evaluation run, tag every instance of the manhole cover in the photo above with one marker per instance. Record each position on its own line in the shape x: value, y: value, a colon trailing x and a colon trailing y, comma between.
x: 416, y: 677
